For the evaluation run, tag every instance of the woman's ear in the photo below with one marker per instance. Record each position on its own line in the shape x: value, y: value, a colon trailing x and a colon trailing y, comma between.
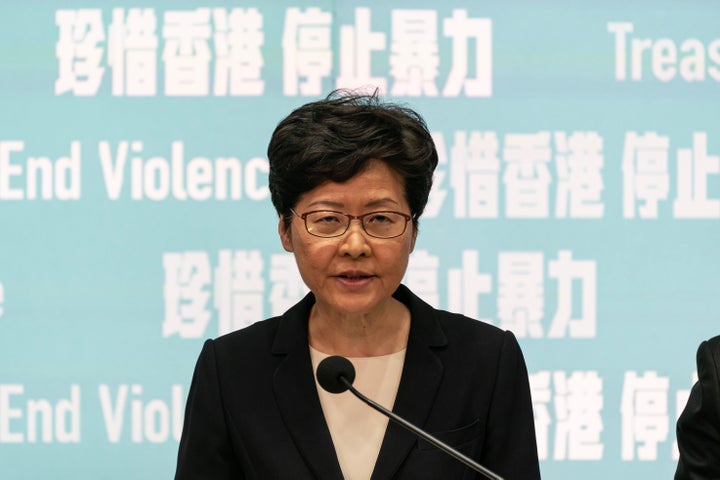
x: 285, y: 235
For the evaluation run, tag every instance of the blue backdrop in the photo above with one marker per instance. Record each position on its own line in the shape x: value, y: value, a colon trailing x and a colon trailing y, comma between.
x: 577, y: 203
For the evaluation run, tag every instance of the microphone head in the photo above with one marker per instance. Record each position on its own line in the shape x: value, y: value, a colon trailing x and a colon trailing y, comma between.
x: 331, y: 369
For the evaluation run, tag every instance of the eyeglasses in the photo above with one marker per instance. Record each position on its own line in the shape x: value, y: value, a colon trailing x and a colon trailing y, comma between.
x: 328, y: 223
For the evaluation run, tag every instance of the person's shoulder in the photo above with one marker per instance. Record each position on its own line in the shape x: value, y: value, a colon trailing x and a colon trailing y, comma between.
x: 258, y: 334
x: 463, y: 330
x: 711, y: 348
x: 714, y: 342
x: 245, y: 353
x: 275, y: 334
x: 709, y: 352
x: 464, y: 323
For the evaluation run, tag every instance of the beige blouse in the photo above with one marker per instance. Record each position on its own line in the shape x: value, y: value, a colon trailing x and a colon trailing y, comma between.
x: 357, y: 430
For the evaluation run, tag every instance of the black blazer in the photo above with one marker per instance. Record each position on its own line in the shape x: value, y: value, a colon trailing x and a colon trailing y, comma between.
x: 698, y: 428
x: 253, y: 410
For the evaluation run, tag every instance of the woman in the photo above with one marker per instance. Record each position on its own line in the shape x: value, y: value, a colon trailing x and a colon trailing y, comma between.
x: 350, y: 177
x: 698, y: 428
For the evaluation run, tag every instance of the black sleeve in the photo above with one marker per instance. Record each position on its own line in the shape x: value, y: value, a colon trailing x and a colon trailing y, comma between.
x: 205, y: 450
x: 698, y: 428
x: 511, y: 446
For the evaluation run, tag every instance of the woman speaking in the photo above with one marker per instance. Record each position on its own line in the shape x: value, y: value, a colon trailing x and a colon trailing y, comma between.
x: 350, y: 177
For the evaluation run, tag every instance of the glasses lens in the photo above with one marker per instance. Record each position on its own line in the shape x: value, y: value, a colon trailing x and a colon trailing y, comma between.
x: 384, y: 224
x: 326, y: 224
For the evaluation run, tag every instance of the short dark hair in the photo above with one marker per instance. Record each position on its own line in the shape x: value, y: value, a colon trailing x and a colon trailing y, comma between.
x: 334, y: 139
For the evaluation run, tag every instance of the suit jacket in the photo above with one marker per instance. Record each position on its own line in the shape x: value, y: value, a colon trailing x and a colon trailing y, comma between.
x: 698, y: 428
x: 253, y: 410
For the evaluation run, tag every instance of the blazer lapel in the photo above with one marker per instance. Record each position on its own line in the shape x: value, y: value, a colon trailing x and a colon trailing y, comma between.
x: 419, y: 383
x: 297, y: 397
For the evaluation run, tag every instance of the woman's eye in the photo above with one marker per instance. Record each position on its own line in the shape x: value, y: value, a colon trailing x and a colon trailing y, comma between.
x: 328, y: 219
x: 380, y: 218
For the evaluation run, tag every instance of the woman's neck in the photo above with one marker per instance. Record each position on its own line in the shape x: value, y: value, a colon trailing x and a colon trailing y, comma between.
x: 363, y: 335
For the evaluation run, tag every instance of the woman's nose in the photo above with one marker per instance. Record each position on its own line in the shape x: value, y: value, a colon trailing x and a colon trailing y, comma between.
x: 355, y: 241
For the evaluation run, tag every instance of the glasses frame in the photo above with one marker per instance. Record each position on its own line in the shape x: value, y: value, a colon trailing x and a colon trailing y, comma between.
x: 350, y: 218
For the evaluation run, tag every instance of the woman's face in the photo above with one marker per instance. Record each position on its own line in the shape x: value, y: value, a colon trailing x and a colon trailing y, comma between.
x: 353, y: 273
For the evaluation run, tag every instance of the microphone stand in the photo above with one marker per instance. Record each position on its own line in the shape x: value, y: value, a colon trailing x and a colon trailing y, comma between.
x: 420, y: 433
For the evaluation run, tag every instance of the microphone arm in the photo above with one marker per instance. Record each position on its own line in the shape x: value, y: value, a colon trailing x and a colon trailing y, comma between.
x: 420, y: 433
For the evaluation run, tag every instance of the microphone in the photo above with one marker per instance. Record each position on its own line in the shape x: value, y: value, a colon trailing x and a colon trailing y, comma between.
x: 336, y: 374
